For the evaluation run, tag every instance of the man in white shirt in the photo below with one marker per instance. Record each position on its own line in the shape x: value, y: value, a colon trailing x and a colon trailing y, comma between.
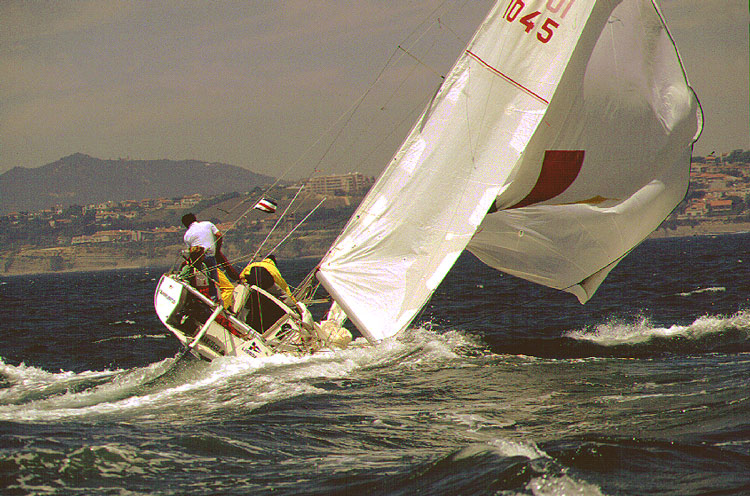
x: 207, y: 236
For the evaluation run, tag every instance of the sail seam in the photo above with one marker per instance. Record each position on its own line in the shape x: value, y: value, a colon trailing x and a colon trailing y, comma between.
x: 507, y: 78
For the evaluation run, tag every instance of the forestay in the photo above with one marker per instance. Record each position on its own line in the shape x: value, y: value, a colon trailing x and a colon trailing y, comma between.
x: 569, y: 121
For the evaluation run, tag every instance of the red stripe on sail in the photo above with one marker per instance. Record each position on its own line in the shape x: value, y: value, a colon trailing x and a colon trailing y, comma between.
x: 510, y: 80
x: 559, y: 169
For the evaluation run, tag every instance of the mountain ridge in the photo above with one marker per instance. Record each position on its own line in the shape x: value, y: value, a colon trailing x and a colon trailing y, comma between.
x: 81, y: 179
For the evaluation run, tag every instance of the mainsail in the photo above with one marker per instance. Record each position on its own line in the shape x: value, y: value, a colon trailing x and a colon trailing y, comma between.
x: 570, y: 121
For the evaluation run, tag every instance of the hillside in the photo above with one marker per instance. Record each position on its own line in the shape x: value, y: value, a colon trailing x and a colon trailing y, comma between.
x: 81, y: 180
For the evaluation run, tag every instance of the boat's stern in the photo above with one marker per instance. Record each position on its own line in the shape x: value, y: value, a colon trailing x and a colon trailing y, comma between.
x: 186, y: 312
x: 211, y: 331
x: 168, y: 297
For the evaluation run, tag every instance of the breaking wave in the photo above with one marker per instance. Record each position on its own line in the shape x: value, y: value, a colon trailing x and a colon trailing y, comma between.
x: 497, y: 466
x: 707, y: 334
x: 703, y: 290
x: 192, y: 389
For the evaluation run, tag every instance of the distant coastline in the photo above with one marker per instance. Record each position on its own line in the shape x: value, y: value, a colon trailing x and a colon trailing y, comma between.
x: 146, y: 233
x: 702, y: 229
x: 60, y: 260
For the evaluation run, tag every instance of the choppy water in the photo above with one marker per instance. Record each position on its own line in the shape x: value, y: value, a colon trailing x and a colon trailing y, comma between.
x: 502, y: 388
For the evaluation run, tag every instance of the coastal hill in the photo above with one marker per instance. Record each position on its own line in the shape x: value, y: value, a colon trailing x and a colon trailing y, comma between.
x: 80, y: 179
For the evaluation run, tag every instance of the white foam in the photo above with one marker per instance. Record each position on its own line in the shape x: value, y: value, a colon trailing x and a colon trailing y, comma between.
x: 27, y: 380
x: 476, y: 423
x: 505, y: 448
x: 553, y: 485
x: 58, y: 397
x: 616, y: 332
x: 134, y: 337
x: 703, y: 290
x: 232, y: 384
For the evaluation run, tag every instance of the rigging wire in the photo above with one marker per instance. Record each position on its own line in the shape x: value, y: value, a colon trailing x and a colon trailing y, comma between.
x: 295, y: 227
x: 392, y: 60
x: 343, y: 121
x: 278, y: 221
x: 351, y: 111
x: 403, y: 51
x: 420, y: 62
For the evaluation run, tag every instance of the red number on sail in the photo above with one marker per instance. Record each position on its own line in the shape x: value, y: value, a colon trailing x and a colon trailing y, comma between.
x: 555, y: 5
x: 528, y: 20
x: 513, y: 11
x: 547, y: 28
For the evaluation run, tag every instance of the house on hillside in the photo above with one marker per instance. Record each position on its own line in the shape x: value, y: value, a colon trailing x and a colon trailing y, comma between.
x: 719, y: 207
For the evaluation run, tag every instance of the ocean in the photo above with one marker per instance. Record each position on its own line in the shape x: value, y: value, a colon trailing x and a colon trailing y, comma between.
x: 500, y: 387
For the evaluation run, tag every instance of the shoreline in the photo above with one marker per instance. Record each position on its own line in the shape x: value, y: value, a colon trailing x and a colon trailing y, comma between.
x: 78, y: 259
x: 85, y: 258
x: 703, y: 229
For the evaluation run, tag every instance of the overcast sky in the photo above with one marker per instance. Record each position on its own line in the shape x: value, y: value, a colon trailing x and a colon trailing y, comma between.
x: 261, y: 84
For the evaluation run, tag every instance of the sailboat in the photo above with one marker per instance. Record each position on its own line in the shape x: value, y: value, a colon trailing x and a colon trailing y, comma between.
x: 559, y: 140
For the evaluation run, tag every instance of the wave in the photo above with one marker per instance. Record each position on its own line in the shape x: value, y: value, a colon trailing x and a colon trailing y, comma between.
x: 192, y: 390
x: 719, y: 467
x: 703, y: 290
x: 636, y: 338
x: 707, y: 334
x: 32, y: 394
x: 23, y: 384
x: 497, y: 466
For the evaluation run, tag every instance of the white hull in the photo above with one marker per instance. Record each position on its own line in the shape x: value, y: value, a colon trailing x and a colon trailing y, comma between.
x: 189, y: 314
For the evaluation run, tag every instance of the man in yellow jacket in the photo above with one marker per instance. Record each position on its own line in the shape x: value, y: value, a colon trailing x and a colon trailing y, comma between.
x: 267, y: 276
x: 262, y: 312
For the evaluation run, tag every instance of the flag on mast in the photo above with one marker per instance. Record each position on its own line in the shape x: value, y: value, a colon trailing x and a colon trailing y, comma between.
x: 266, y: 205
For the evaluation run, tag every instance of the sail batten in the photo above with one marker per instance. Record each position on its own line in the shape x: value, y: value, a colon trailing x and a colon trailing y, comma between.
x: 574, y: 143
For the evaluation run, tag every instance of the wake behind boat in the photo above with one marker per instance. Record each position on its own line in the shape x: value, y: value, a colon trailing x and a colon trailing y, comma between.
x: 559, y: 140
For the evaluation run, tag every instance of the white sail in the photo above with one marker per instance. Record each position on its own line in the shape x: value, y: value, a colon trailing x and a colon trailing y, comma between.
x: 519, y: 90
x: 610, y: 162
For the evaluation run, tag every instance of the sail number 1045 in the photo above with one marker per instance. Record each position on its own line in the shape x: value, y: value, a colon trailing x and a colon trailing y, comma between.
x: 546, y: 25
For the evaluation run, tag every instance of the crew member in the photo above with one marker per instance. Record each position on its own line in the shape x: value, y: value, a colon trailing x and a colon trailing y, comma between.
x: 266, y: 275
x: 194, y: 270
x: 262, y: 312
x: 207, y: 236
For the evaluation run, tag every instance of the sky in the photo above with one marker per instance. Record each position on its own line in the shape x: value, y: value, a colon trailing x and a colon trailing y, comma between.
x: 268, y: 84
